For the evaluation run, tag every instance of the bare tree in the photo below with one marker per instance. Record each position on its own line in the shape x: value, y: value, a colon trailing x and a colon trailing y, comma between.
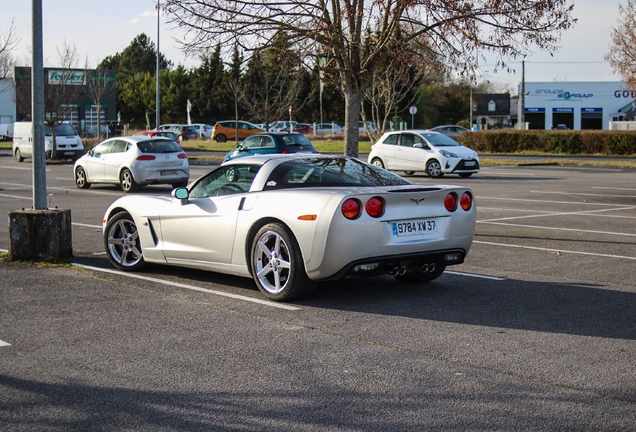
x: 452, y: 28
x: 62, y: 90
x: 622, y: 53
x: 99, y: 83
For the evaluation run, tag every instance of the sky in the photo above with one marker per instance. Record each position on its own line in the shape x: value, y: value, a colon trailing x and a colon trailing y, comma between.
x: 103, y: 28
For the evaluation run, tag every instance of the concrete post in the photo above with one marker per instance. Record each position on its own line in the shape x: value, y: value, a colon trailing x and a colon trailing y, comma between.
x: 40, y: 235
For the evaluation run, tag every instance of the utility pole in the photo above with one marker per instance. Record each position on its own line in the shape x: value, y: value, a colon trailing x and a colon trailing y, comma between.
x: 158, y: 90
x: 522, y: 96
x: 37, y: 110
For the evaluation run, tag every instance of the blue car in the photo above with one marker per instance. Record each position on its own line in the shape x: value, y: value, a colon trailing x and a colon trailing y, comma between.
x: 270, y: 143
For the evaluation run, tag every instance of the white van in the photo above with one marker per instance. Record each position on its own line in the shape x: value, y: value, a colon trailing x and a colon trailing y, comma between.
x: 69, y: 143
x: 6, y: 131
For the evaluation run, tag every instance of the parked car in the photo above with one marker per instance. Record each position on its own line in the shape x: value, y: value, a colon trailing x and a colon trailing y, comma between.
x: 6, y: 131
x: 328, y: 129
x: 203, y: 130
x: 289, y: 221
x: 282, y: 125
x: 369, y: 127
x: 303, y: 128
x: 270, y: 143
x: 225, y: 129
x: 160, y: 133
x: 68, y: 143
x: 133, y: 161
x: 422, y: 150
x: 185, y: 132
x: 449, y: 130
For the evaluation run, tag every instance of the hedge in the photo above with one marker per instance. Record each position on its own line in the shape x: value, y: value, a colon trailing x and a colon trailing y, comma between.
x: 593, y: 142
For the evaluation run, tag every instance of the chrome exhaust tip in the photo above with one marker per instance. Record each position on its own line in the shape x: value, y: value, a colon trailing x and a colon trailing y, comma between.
x: 395, y: 271
x: 402, y: 271
x: 424, y: 268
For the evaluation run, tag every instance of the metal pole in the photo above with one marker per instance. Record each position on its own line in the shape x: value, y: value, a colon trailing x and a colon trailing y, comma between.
x: 522, y: 98
x: 37, y: 109
x: 158, y: 90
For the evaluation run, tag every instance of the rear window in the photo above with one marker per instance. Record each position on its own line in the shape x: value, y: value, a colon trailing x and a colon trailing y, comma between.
x: 159, y: 146
x: 310, y: 172
x: 296, y: 139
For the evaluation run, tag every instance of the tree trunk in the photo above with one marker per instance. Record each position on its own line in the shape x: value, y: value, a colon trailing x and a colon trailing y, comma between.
x: 353, y: 97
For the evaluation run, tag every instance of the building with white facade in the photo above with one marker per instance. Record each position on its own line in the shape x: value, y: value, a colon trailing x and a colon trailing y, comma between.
x: 577, y: 105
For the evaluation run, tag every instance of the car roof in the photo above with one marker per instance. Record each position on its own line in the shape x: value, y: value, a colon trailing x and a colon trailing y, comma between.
x: 138, y: 138
x: 263, y: 158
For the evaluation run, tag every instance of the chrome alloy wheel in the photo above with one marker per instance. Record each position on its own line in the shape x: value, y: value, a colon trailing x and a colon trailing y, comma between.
x: 123, y: 246
x: 272, y: 262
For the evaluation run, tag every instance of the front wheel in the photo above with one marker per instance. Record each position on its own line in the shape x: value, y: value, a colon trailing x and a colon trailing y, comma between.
x: 81, y: 180
x: 409, y: 173
x: 127, y: 181
x: 277, y: 264
x: 434, y: 169
x: 377, y: 162
x: 122, y: 243
x: 220, y: 138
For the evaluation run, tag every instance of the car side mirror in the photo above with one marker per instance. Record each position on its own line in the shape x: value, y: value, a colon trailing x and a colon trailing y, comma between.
x: 181, y: 194
x: 91, y: 152
x: 418, y: 145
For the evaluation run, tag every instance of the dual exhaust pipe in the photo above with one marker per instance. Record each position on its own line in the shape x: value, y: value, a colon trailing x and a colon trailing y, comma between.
x: 401, y: 271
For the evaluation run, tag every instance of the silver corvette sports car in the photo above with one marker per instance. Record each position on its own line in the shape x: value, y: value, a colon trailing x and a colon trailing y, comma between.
x: 289, y: 221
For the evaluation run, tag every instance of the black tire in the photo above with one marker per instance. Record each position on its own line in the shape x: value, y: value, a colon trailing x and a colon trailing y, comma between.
x: 122, y: 243
x: 220, y: 138
x: 127, y: 181
x: 18, y: 156
x: 377, y: 162
x: 277, y: 264
x: 409, y: 173
x: 419, y: 277
x: 465, y: 175
x: 434, y: 169
x: 81, y: 180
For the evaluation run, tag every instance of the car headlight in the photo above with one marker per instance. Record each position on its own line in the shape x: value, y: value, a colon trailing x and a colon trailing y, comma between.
x: 448, y: 154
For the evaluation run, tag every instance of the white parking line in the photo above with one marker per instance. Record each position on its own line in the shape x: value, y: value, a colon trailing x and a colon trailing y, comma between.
x: 548, y: 201
x: 554, y: 250
x: 584, y: 194
x: 191, y: 287
x: 560, y: 229
x: 3, y: 343
x: 474, y: 275
x: 612, y: 188
x: 581, y: 213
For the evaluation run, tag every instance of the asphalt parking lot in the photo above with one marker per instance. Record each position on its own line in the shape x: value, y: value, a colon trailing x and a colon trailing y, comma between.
x: 535, y: 331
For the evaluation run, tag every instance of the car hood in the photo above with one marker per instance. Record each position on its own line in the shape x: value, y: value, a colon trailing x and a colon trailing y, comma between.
x: 461, y: 151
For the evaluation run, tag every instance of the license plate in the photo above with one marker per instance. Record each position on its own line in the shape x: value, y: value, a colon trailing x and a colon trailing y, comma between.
x: 69, y: 153
x: 414, y: 228
x: 168, y: 173
x: 472, y: 163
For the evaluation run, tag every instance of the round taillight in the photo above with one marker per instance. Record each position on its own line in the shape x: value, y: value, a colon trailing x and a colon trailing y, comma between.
x: 351, y: 208
x: 466, y: 201
x: 375, y: 207
x: 450, y: 202
x: 146, y: 158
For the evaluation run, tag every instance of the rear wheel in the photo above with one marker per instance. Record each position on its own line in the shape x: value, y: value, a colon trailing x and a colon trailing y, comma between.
x: 220, y: 138
x: 434, y: 169
x: 277, y: 264
x: 409, y: 173
x: 80, y: 178
x: 377, y: 162
x: 122, y: 244
x: 18, y: 156
x: 420, y: 277
x: 127, y: 181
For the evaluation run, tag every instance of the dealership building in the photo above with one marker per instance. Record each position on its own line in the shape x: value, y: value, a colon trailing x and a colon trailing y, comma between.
x: 577, y: 105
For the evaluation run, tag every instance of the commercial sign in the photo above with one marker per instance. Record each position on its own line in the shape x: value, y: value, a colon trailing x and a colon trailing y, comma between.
x: 562, y: 110
x: 534, y: 110
x: 591, y: 110
x: 67, y: 77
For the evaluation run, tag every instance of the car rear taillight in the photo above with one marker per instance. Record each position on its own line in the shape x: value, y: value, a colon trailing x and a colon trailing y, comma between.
x: 375, y: 207
x: 450, y: 202
x: 182, y: 156
x: 351, y: 208
x: 146, y: 158
x: 466, y: 201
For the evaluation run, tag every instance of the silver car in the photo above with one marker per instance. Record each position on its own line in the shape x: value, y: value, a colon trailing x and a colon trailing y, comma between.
x: 290, y: 221
x: 133, y: 161
x: 422, y: 150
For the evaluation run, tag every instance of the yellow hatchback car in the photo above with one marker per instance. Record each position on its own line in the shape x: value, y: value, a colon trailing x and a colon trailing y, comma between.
x: 227, y: 129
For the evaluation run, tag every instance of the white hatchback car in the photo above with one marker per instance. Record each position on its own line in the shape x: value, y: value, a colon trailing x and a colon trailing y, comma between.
x: 421, y: 150
x: 133, y: 161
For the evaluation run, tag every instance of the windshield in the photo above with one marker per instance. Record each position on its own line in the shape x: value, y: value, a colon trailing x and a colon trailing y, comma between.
x: 308, y: 172
x: 440, y: 140
x: 64, y: 129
